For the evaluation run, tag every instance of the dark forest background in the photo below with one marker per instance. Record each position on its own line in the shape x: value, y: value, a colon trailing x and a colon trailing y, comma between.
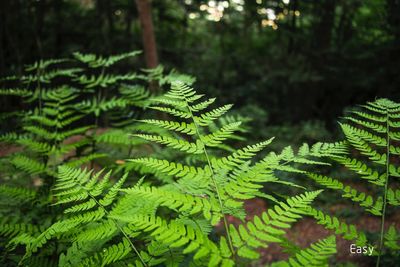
x: 293, y: 65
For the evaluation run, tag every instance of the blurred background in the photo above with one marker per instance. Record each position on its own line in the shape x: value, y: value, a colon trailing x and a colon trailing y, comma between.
x: 294, y: 65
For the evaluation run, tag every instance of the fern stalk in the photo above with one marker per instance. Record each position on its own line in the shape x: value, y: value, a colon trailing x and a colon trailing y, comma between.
x: 228, y: 236
x: 121, y: 230
x: 381, y: 241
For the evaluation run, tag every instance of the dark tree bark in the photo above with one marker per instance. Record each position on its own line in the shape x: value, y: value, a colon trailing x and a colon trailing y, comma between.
x: 149, y: 40
x: 393, y: 11
x: 294, y: 7
x: 323, y: 29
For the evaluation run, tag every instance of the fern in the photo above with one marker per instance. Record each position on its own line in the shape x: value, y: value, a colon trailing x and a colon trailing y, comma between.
x: 316, y: 255
x: 83, y: 191
x: 373, y: 133
x: 220, y: 184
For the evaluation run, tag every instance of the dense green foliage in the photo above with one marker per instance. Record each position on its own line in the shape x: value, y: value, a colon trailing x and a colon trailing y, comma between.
x: 162, y: 183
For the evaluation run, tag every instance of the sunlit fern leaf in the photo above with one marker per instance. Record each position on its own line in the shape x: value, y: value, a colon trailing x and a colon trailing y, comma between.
x: 15, y: 92
x: 43, y: 64
x: 175, y: 112
x: 364, y: 200
x: 362, y: 169
x: 177, y: 201
x: 95, y: 61
x: 393, y: 196
x: 259, y: 232
x: 347, y: 231
x: 14, y: 229
x: 48, y: 76
x: 180, y: 144
x: 182, y: 127
x: 118, y: 137
x: 216, y: 138
x: 79, y: 161
x: 135, y: 95
x: 84, y: 191
x: 29, y: 165
x: 317, y: 254
x: 206, y: 118
x: 373, y: 134
x: 171, y: 168
x: 240, y: 156
x: 9, y: 137
x: 16, y: 194
x: 104, y: 80
x: 109, y: 255
x: 392, y: 239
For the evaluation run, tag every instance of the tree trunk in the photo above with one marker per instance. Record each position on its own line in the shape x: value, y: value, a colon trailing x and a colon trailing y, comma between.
x: 149, y: 40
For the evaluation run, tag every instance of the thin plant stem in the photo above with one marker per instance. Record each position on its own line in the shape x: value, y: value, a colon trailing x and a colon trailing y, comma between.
x: 213, y: 181
x: 385, y: 189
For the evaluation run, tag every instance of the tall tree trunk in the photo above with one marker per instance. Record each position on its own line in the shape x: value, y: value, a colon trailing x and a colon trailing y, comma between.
x: 323, y: 29
x: 149, y: 40
x: 294, y: 7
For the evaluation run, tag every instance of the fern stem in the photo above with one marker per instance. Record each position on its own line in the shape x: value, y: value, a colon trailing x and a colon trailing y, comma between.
x: 228, y: 236
x: 122, y: 231
x: 385, y: 190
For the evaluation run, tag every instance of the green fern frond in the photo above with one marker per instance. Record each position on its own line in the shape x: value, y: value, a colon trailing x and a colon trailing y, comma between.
x: 347, y: 231
x: 104, y: 80
x: 216, y: 138
x: 177, y: 201
x: 393, y: 197
x: 95, y: 61
x: 109, y: 255
x: 28, y: 165
x: 43, y: 64
x: 206, y: 118
x: 180, y: 144
x: 182, y: 127
x: 11, y: 230
x: 269, y: 228
x: 15, y: 92
x: 240, y: 156
x: 178, y: 113
x: 362, y: 169
x: 14, y: 194
x: 392, y: 238
x: 364, y: 200
x: 317, y: 254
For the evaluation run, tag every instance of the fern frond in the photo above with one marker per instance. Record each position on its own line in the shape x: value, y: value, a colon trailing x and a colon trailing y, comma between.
x: 269, y: 228
x: 362, y: 169
x: 180, y: 144
x: 240, y: 156
x: 182, y: 127
x: 316, y: 255
x: 28, y: 165
x: 364, y: 200
x: 95, y: 61
x: 16, y: 194
x: 393, y: 197
x: 216, y: 138
x: 392, y: 238
x: 206, y: 118
x: 177, y: 201
x: 15, y: 92
x: 348, y: 231
x: 172, y: 111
